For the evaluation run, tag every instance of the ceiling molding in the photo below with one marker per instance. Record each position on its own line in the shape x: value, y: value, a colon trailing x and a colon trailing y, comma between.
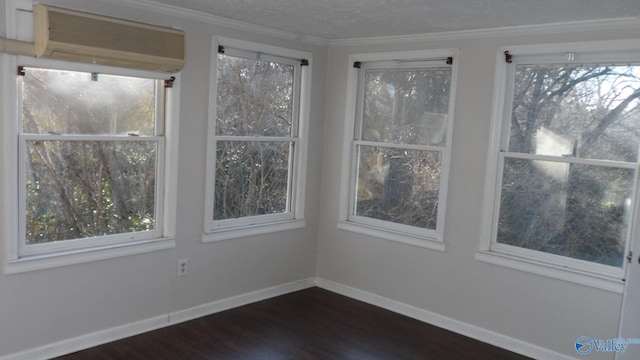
x: 541, y: 29
x: 172, y: 10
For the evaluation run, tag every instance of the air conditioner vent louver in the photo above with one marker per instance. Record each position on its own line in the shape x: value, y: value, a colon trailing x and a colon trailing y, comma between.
x: 76, y: 36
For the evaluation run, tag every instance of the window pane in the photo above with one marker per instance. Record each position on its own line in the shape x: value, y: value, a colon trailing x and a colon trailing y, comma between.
x: 580, y: 111
x: 578, y: 211
x: 400, y: 186
x: 68, y: 102
x: 406, y: 106
x: 251, y: 178
x: 79, y: 189
x: 254, y: 97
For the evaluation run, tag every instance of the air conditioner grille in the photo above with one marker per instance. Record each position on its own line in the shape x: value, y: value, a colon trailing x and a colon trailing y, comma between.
x: 87, y: 31
x: 77, y: 36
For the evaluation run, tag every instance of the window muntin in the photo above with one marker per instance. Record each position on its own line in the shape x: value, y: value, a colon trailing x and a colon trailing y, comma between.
x: 569, y: 175
x: 90, y: 160
x: 256, y: 135
x: 400, y: 145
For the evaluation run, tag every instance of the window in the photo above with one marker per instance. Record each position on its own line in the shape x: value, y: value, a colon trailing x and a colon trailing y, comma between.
x: 568, y: 160
x: 90, y: 160
x: 255, y: 141
x: 400, y: 147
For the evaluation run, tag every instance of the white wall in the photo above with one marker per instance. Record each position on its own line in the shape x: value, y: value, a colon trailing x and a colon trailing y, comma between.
x: 42, y: 307
x: 533, y: 309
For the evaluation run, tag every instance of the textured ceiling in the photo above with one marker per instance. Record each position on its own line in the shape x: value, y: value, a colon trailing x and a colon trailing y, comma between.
x: 349, y: 19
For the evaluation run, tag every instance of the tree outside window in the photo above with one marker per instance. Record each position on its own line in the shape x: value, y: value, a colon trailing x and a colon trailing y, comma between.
x: 90, y: 151
x: 400, y: 144
x: 569, y: 171
x: 256, y: 133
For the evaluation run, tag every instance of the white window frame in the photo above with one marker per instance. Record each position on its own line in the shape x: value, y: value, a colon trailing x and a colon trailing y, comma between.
x: 427, y: 238
x: 293, y: 217
x: 21, y: 257
x: 582, y: 272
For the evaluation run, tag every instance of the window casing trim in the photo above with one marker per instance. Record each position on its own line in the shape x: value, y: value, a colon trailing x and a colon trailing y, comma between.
x: 427, y: 241
x: 554, y: 266
x: 79, y: 256
x: 411, y: 235
x: 252, y: 230
x: 293, y: 217
x: 550, y: 270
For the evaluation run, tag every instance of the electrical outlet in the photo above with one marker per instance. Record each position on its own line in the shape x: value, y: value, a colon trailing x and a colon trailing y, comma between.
x: 182, y: 267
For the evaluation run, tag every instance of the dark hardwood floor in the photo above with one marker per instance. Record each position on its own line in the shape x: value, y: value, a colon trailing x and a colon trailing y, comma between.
x: 307, y: 324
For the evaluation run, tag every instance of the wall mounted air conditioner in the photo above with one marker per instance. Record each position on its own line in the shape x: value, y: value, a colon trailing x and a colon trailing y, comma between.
x: 77, y: 36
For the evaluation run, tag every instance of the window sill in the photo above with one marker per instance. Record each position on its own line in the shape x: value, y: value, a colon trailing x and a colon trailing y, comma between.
x: 386, y: 234
x: 251, y: 230
x: 48, y: 261
x: 598, y: 281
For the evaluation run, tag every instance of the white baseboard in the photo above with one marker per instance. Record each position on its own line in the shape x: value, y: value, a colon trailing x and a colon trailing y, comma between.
x: 116, y: 333
x: 89, y: 340
x: 238, y: 300
x: 472, y: 331
x: 120, y: 332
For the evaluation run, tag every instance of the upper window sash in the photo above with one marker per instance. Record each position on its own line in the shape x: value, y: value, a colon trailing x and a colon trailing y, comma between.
x: 297, y: 79
x: 258, y: 56
x: 160, y: 81
x: 386, y: 65
x: 391, y: 66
